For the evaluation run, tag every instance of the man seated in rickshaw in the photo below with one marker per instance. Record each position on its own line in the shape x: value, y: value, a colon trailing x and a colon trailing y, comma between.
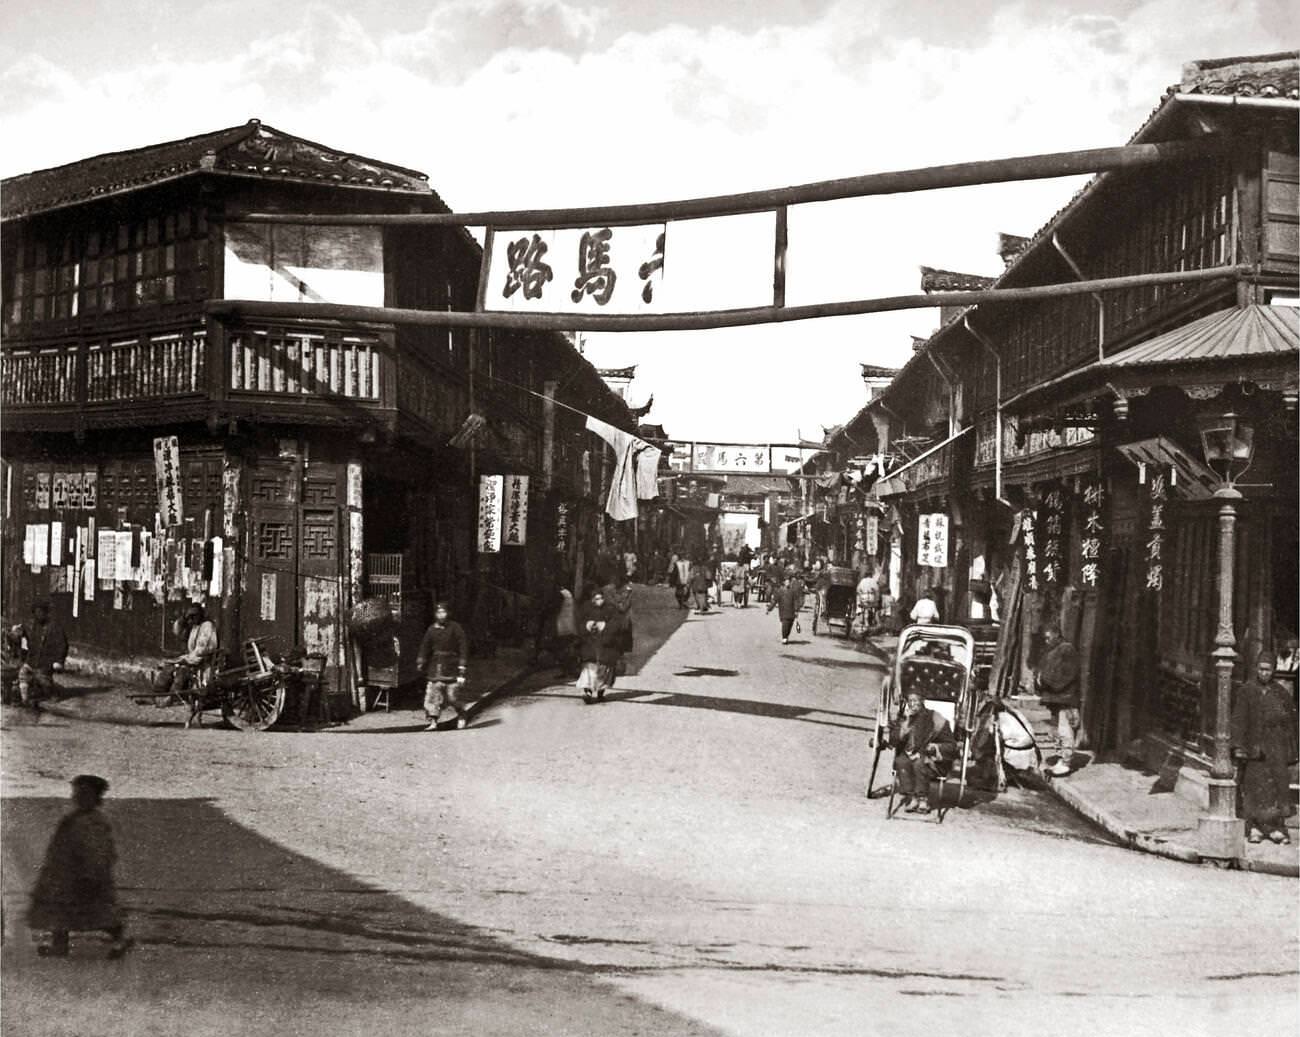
x: 924, y: 749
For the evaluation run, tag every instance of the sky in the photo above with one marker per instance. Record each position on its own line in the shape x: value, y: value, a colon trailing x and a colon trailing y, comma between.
x: 540, y: 103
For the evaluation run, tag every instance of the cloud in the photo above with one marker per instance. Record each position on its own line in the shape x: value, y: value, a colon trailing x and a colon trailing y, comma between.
x: 525, y: 103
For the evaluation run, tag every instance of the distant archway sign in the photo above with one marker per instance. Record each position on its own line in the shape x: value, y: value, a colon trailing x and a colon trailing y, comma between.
x: 603, y: 268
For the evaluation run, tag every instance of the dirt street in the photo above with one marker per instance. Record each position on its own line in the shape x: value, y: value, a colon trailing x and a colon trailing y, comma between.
x: 693, y: 856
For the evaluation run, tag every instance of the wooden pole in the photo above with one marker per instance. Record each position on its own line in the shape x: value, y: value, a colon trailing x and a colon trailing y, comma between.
x: 698, y: 321
x: 928, y: 178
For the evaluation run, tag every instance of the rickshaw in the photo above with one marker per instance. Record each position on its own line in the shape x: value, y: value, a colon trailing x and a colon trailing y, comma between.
x: 835, y: 612
x: 939, y: 662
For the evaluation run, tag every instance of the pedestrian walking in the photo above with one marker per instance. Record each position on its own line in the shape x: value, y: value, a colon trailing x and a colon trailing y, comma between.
x: 700, y: 587
x: 600, y: 635
x: 619, y: 595
x: 1057, y: 683
x: 868, y: 594
x: 788, y: 600
x: 740, y: 587
x: 443, y: 658
x: 43, y: 648
x: 1264, y: 744
x: 74, y: 890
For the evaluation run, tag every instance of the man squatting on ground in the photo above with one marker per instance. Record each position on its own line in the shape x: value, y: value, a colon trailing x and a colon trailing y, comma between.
x: 74, y: 889
x: 443, y: 658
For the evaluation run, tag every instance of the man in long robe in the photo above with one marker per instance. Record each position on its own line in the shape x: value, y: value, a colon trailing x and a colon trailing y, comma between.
x: 1264, y: 743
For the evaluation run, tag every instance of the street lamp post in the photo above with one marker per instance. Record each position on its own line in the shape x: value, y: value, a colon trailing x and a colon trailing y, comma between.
x: 1228, y: 446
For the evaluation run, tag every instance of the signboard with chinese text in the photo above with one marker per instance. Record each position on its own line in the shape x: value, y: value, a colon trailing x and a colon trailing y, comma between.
x: 42, y: 490
x: 491, y: 489
x: 1038, y: 442
x: 1052, y: 528
x: 89, y: 490
x: 562, y: 526
x: 516, y: 510
x: 1029, y: 548
x: 59, y: 491
x: 873, y: 535
x: 932, y: 540
x: 167, y: 472
x: 1156, y: 499
x: 721, y: 457
x: 1092, y: 533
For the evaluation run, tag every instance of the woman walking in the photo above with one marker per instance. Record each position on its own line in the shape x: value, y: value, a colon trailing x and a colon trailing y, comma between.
x: 600, y: 627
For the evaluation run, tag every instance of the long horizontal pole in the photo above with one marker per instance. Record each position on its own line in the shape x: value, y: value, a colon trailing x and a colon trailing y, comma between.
x: 700, y: 321
x: 928, y: 178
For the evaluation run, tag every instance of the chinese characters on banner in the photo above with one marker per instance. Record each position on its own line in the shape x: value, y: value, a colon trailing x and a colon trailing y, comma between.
x: 873, y: 535
x: 932, y: 540
x: 89, y: 490
x: 516, y: 529
x: 1051, y: 526
x: 577, y: 270
x: 59, y: 491
x: 1029, y: 545
x: 42, y: 491
x: 490, y: 491
x: 1092, y: 530
x: 860, y: 534
x: 562, y: 526
x: 1157, y: 499
x: 719, y: 457
x: 167, y: 471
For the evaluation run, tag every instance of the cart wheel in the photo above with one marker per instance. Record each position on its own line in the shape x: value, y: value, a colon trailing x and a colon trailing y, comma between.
x: 253, y: 705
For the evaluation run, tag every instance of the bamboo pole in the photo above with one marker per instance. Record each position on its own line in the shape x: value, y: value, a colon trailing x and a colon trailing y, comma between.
x: 928, y: 178
x: 698, y: 321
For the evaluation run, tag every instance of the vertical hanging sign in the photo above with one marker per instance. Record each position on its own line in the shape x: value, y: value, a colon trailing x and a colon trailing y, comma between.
x: 1051, y: 522
x: 1156, y: 500
x: 932, y: 540
x: 562, y: 526
x: 1092, y: 530
x: 167, y: 471
x: 490, y: 491
x: 1029, y: 545
x: 873, y: 535
x: 516, y: 510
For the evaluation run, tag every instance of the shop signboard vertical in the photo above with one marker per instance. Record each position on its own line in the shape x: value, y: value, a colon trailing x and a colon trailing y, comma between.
x: 932, y: 540
x: 1156, y: 499
x: 873, y: 535
x: 491, y: 489
x: 167, y: 471
x: 1029, y: 548
x: 1092, y: 531
x: 516, y: 510
x: 1051, y: 526
x: 562, y: 526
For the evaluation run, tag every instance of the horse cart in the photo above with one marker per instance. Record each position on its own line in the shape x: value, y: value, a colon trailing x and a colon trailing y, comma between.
x: 254, y: 696
x: 938, y: 662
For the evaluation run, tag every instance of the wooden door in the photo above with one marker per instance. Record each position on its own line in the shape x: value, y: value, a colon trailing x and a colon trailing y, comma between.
x: 321, y: 565
x: 271, y: 600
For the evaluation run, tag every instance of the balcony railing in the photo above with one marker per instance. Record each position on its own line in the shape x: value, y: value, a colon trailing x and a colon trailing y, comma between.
x: 162, y: 365
x: 294, y: 362
x: 39, y: 376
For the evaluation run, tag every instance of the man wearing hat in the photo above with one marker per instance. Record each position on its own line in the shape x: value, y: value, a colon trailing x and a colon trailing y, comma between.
x: 443, y: 658
x: 46, y: 650
x: 1264, y: 744
x: 200, y: 635
x: 74, y: 890
x: 1057, y: 680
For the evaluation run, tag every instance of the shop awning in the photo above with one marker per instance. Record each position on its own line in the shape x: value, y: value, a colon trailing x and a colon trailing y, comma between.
x: 1241, y: 332
x: 1192, y: 479
x: 892, y: 485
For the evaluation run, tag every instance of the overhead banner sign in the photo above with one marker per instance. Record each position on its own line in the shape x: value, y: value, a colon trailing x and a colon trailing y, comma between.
x: 737, y: 458
x: 167, y: 471
x: 713, y: 263
x: 516, y: 510
x: 490, y: 491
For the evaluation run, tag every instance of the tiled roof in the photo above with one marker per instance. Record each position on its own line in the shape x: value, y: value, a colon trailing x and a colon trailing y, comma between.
x: 1247, y: 331
x: 1263, y: 75
x: 876, y: 371
x: 933, y: 280
x: 250, y: 150
x: 755, y: 485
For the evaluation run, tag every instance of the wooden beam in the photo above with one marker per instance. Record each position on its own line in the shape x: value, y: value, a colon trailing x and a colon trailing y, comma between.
x: 700, y: 321
x: 928, y: 178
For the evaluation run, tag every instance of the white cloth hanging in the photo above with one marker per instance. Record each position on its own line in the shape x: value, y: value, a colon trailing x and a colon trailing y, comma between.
x: 621, y: 502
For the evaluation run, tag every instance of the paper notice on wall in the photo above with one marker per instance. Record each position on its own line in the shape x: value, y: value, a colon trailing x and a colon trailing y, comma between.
x: 119, y: 598
x: 106, y: 554
x: 123, y: 570
x: 88, y: 580
x: 218, y: 558
x: 89, y: 490
x: 29, y: 544
x: 56, y: 543
x: 42, y: 490
x: 41, y: 549
x: 268, y: 597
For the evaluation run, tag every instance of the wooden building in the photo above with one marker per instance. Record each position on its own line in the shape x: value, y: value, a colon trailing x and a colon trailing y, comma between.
x: 320, y: 462
x: 1061, y: 436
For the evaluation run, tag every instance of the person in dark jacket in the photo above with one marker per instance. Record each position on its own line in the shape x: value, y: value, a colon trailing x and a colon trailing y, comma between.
x: 74, y: 889
x: 700, y: 586
x: 600, y: 635
x: 443, y: 658
x: 46, y: 652
x: 788, y: 600
x: 1057, y: 682
x: 1264, y: 744
x: 924, y: 748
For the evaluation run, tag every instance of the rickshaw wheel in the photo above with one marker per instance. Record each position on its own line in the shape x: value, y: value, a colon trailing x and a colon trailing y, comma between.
x: 254, y: 705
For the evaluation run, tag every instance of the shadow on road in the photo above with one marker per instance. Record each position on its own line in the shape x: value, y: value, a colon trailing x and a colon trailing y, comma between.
x: 746, y: 707
x: 237, y: 934
x: 833, y: 664
x: 706, y: 671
